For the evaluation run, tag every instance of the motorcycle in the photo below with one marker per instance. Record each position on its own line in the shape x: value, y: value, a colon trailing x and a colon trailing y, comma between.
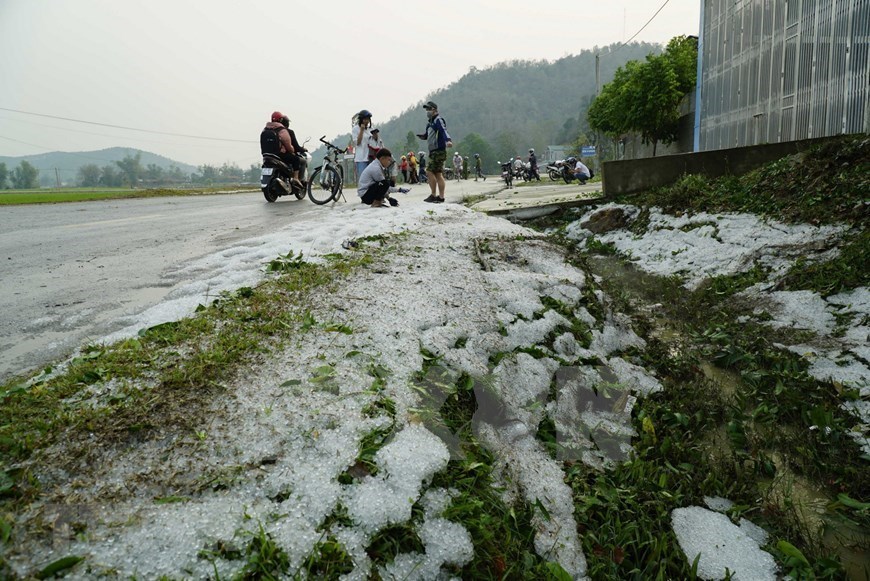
x: 554, y: 170
x: 507, y: 173
x: 275, y: 177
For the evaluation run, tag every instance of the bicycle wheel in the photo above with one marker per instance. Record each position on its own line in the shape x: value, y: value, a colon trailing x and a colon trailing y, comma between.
x: 324, y: 186
x: 340, y: 188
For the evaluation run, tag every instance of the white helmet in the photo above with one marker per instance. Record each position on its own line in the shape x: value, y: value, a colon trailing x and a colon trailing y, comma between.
x: 532, y: 150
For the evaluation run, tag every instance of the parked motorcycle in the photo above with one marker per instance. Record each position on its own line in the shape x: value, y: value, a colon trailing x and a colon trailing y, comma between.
x: 554, y: 170
x: 507, y: 173
x: 275, y: 177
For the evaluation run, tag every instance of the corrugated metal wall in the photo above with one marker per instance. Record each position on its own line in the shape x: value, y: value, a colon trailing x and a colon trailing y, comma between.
x: 782, y: 70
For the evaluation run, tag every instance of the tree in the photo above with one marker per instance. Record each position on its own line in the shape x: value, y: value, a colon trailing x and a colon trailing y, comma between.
x: 645, y: 97
x: 411, y: 142
x: 89, y: 175
x: 4, y: 175
x: 230, y: 173
x: 253, y: 173
x: 24, y: 176
x: 474, y: 143
x: 154, y: 174
x: 208, y: 174
x: 131, y: 168
x: 109, y: 177
x: 507, y: 145
x: 176, y: 175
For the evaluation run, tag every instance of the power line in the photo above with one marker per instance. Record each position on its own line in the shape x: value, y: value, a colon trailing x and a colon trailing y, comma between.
x: 641, y: 28
x: 82, y: 132
x: 127, y: 128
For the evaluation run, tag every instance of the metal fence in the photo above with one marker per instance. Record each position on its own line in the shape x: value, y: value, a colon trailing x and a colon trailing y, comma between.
x: 782, y: 70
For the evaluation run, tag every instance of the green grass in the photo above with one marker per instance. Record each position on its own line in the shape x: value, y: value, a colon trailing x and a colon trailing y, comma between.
x: 165, y: 377
x: 830, y: 183
x: 19, y: 197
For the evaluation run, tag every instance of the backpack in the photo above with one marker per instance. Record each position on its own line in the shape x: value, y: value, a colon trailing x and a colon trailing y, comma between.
x: 269, y: 142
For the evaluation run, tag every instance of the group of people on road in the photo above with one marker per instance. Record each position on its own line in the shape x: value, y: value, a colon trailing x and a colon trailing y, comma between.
x: 375, y: 181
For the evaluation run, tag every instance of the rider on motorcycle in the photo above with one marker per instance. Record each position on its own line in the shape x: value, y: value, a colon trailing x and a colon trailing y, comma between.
x: 299, y: 155
x: 275, y: 139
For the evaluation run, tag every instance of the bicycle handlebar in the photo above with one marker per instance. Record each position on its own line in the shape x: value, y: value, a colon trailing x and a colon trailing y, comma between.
x: 331, y: 146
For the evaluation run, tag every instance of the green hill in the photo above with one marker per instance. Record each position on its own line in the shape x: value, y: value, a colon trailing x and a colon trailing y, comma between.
x: 512, y: 105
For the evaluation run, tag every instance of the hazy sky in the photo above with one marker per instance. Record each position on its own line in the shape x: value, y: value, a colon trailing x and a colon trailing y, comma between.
x: 218, y: 68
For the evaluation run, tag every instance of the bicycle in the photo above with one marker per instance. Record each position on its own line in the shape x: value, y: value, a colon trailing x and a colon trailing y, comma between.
x: 327, y: 181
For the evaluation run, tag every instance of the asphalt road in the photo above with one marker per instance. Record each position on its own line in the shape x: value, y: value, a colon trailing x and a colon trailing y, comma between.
x: 69, y: 272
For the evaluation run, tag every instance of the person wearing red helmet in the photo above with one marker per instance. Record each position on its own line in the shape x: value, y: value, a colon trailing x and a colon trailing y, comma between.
x: 275, y: 139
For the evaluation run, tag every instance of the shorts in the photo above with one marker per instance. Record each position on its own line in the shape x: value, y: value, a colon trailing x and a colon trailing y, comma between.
x: 436, y: 161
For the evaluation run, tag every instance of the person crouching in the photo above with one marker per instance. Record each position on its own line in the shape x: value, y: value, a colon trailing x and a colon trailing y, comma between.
x: 374, y: 185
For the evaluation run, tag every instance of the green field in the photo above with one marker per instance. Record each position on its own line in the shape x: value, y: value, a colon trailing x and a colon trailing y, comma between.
x: 18, y: 197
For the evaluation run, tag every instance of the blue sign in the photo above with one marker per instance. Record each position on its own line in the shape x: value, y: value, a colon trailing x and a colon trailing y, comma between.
x: 587, y: 151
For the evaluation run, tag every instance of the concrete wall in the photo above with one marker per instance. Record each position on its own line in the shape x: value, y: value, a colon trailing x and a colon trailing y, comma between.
x: 634, y: 175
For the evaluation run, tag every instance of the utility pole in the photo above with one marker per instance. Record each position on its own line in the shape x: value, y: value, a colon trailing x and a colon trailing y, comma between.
x: 57, y: 178
x: 597, y: 93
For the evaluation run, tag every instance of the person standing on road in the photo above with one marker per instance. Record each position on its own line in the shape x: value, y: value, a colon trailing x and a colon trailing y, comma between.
x: 360, y: 136
x: 403, y: 166
x: 421, y: 161
x: 457, y: 166
x: 375, y: 143
x: 533, y: 165
x: 439, y: 140
x: 478, y: 168
x: 412, y: 167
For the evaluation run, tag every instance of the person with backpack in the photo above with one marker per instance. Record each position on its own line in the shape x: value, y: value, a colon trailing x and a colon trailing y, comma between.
x: 581, y: 172
x: 275, y: 139
x: 439, y: 140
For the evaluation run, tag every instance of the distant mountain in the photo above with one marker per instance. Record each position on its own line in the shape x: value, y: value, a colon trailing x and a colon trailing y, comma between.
x: 513, y: 105
x: 64, y: 166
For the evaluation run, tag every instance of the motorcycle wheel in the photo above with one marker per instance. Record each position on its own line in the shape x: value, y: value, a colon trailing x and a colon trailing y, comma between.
x: 300, y: 193
x: 323, y: 191
x: 554, y: 175
x: 270, y: 192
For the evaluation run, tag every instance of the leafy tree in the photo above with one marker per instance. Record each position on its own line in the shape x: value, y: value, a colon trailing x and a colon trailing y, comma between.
x: 230, y: 173
x: 253, y: 173
x: 4, y: 175
x: 507, y: 145
x: 24, y: 177
x: 474, y: 143
x: 154, y: 174
x: 645, y: 97
x: 176, y: 175
x: 109, y: 177
x: 411, y: 143
x: 131, y: 168
x: 89, y: 175
x: 208, y: 174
